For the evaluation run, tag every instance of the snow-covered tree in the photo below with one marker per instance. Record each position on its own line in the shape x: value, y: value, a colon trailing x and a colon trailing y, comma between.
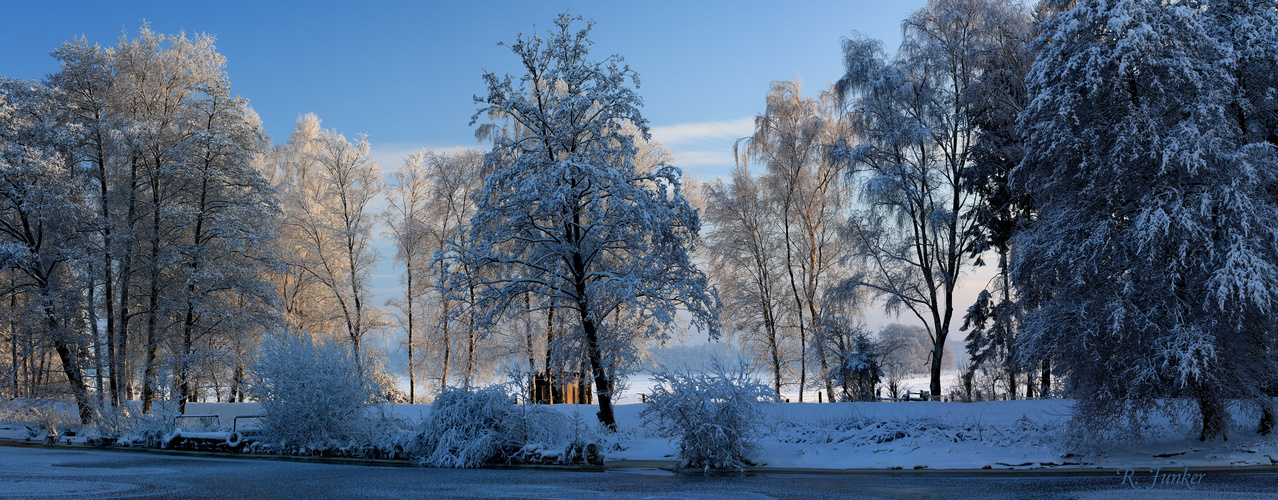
x: 173, y: 212
x: 1157, y: 237
x: 228, y: 210
x: 914, y: 132
x: 997, y: 97
x: 567, y: 217
x: 327, y: 183
x: 856, y: 360
x: 1247, y: 31
x: 792, y: 138
x: 39, y: 214
x: 87, y: 82
x: 745, y: 252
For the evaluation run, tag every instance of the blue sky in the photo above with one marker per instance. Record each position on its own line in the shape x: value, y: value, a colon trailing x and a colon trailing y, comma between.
x: 404, y: 73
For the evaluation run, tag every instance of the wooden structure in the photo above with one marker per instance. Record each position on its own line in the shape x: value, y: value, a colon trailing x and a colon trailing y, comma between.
x: 567, y: 388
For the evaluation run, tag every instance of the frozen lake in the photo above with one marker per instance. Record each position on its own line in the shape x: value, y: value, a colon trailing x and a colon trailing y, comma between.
x: 37, y: 472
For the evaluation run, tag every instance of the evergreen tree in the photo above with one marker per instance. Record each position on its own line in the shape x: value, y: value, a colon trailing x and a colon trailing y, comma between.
x: 1156, y: 237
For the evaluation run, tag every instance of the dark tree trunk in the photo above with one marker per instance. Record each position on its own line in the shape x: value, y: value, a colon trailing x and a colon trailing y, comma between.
x: 1045, y: 387
x: 606, y: 416
x: 68, y: 354
x: 1212, y: 410
x: 1266, y: 416
x: 13, y: 342
x: 153, y: 309
x: 448, y: 348
x: 408, y: 298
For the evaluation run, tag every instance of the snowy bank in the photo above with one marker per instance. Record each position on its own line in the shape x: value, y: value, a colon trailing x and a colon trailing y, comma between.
x: 889, y: 435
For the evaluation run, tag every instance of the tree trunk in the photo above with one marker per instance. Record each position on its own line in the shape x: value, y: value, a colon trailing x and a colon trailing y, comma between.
x: 776, y: 355
x: 1045, y: 387
x: 1212, y: 410
x: 470, y: 351
x: 68, y: 355
x: 550, y: 342
x: 448, y: 344
x: 126, y: 276
x: 798, y: 307
x: 184, y: 361
x: 108, y: 270
x: 937, y: 352
x: 1266, y: 426
x: 13, y: 343
x: 152, y: 319
x: 356, y: 328
x: 408, y: 298
x: 596, y: 367
x: 528, y: 340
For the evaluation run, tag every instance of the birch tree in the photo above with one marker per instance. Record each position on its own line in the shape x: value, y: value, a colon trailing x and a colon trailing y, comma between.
x: 914, y: 130
x: 745, y: 252
x: 408, y: 194
x: 332, y: 181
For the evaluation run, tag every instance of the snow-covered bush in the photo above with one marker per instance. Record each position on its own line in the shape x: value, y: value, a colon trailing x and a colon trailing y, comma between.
x: 134, y: 428
x: 312, y: 392
x: 713, y: 414
x: 43, y: 418
x: 468, y: 428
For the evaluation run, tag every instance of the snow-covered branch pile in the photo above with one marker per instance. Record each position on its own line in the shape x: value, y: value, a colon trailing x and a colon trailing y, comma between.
x: 40, y: 417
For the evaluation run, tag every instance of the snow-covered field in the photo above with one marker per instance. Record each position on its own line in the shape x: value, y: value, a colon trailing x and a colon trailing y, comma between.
x: 908, y: 435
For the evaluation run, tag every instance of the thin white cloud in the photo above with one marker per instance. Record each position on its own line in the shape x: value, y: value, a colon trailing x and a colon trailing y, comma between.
x: 703, y: 158
x: 390, y: 155
x: 684, y: 133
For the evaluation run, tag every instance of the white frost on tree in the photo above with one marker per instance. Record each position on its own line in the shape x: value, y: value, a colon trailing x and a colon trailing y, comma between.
x: 568, y: 218
x: 1154, y: 248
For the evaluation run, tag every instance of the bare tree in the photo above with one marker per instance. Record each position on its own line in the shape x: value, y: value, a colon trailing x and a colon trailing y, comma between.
x: 792, y: 138
x: 331, y: 183
x: 408, y: 194
x: 744, y: 247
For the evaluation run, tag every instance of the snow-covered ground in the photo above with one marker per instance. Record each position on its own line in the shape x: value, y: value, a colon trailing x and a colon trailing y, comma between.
x: 936, y: 435
x: 642, y: 383
x: 908, y: 435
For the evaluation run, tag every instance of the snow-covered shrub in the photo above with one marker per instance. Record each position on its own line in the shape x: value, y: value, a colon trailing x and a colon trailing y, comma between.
x: 43, y: 418
x: 713, y: 414
x: 463, y: 428
x: 148, y: 429
x: 468, y: 428
x: 312, y: 392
